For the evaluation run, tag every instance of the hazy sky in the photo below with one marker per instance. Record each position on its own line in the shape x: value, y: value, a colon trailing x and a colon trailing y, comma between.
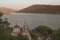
x: 19, y: 4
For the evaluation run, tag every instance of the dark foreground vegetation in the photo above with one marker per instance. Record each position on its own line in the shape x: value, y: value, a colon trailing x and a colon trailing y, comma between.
x: 41, y: 31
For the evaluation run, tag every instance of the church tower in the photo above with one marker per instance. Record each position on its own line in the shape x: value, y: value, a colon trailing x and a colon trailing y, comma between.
x: 25, y: 30
x: 16, y: 30
x: 25, y: 27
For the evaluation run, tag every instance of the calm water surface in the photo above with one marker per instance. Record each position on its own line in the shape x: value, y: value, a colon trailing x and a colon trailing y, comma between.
x: 33, y: 20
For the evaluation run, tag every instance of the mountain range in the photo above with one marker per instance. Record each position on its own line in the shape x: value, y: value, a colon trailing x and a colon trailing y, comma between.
x: 37, y: 8
x: 5, y: 10
x: 50, y: 9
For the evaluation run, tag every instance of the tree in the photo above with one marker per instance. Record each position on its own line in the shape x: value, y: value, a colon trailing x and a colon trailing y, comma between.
x: 1, y: 14
x: 56, y: 35
x: 1, y: 20
x: 43, y: 31
x: 1, y: 25
x: 58, y: 29
x: 6, y: 23
x: 4, y: 34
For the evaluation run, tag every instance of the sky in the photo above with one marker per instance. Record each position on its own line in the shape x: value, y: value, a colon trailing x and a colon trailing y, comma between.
x: 20, y: 4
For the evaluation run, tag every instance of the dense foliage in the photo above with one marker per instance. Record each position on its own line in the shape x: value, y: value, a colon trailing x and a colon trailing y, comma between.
x: 44, y: 32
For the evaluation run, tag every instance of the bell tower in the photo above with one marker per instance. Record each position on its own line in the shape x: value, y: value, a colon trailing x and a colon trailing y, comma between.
x: 25, y: 30
x: 25, y: 27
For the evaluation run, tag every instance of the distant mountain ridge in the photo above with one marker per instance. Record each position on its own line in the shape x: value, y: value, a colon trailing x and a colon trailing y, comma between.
x: 6, y: 10
x: 54, y: 9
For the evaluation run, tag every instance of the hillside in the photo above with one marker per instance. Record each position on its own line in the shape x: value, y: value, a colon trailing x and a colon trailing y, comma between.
x: 54, y: 9
x: 6, y: 10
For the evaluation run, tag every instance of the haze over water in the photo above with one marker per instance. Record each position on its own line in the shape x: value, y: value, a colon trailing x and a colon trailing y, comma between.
x: 33, y: 20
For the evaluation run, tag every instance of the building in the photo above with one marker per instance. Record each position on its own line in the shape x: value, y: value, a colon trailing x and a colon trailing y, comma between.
x: 25, y: 31
x: 39, y: 38
x: 16, y: 30
x: 50, y: 38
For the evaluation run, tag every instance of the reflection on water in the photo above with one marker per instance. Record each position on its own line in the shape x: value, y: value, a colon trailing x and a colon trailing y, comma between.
x: 34, y: 20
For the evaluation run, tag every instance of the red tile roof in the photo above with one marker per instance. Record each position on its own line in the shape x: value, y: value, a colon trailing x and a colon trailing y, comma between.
x: 16, y: 26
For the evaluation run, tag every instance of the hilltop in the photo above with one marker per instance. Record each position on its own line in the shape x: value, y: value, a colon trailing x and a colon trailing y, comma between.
x: 54, y: 9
